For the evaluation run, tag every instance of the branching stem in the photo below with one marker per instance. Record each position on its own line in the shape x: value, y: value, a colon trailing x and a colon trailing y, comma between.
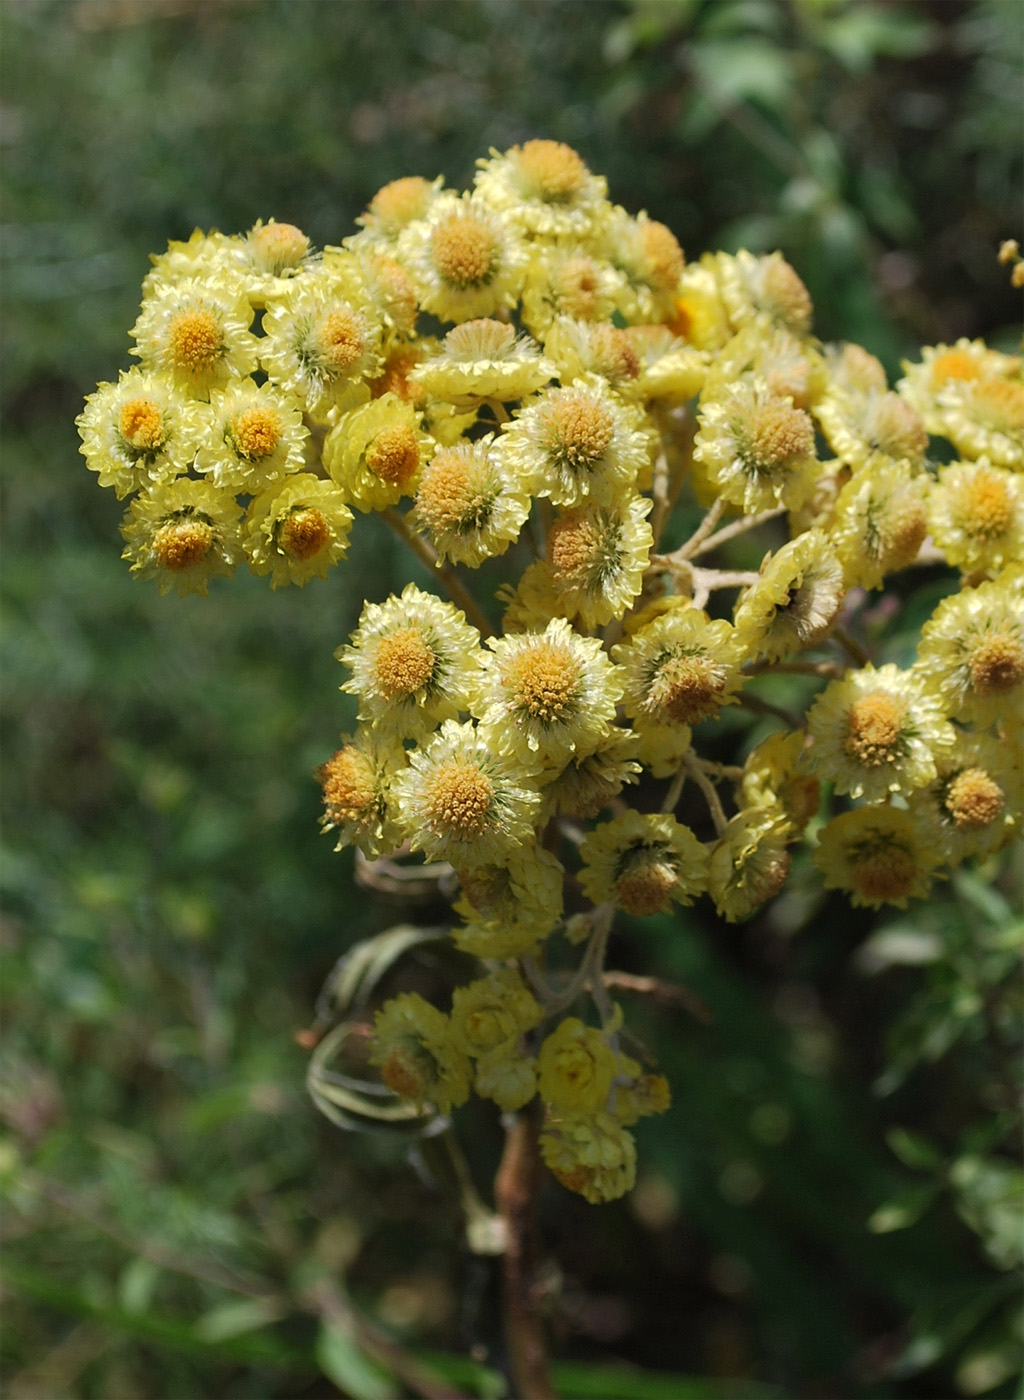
x: 427, y: 554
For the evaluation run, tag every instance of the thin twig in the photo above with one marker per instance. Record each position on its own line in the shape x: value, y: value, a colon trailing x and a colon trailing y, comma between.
x: 851, y: 646
x: 822, y: 669
x: 738, y: 527
x: 710, y: 793
x: 765, y: 707
x: 669, y: 992
x: 516, y: 1189
x: 427, y: 555
x: 692, y: 545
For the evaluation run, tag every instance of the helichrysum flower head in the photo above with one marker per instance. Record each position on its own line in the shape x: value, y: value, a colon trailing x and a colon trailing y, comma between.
x: 589, y: 350
x: 649, y: 256
x: 416, y: 1054
x: 788, y: 364
x: 976, y: 514
x: 877, y: 732
x: 773, y: 777
x: 297, y: 530
x: 679, y: 669
x: 795, y: 601
x: 591, y: 1154
x: 276, y: 250
x: 755, y: 448
x: 854, y: 370
x: 546, y: 695
x: 484, y: 359
x: 375, y: 452
x: 356, y: 781
x: 597, y: 556
x: 749, y: 862
x: 576, y: 1067
x: 254, y: 435
x: 395, y: 205
x: 668, y: 371
x: 576, y: 444
x: 645, y: 862
x: 878, y: 855
x: 182, y: 533
x: 764, y: 290
x: 466, y: 259
x: 879, y: 522
x: 971, y: 654
x: 461, y: 802
x: 509, y: 908
x: 413, y: 660
x: 569, y: 280
x: 545, y: 187
x: 200, y: 257
x: 321, y: 344
x: 863, y: 428
x: 975, y: 803
x: 488, y: 1020
x: 972, y: 395
x: 469, y: 507
x: 196, y: 332
x: 699, y: 314
x: 588, y: 782
x: 139, y: 431
x: 384, y: 283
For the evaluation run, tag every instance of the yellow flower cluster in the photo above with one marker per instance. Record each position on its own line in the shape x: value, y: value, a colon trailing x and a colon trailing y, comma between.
x: 526, y: 367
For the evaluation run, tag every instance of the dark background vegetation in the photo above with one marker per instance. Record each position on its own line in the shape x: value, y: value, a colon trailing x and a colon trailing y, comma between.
x: 829, y: 1208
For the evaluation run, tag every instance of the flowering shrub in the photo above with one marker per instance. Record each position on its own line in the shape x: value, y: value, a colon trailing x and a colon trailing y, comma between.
x: 544, y: 376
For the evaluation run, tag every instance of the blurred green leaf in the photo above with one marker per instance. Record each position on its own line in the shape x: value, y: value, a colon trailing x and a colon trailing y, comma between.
x: 351, y: 1370
x: 235, y: 1318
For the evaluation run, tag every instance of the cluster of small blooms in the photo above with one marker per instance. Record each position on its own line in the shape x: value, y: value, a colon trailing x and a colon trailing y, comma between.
x: 528, y: 365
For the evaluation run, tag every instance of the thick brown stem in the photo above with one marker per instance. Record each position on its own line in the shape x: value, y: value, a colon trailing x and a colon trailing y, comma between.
x: 515, y: 1190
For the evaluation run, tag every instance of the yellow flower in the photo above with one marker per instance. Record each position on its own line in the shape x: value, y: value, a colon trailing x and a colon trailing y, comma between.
x: 588, y: 782
x: 297, y: 529
x: 417, y: 1057
x: 667, y: 370
x: 376, y: 452
x: 772, y: 778
x: 879, y: 523
x: 972, y: 395
x: 413, y: 660
x: 546, y: 695
x: 468, y: 506
x: 679, y: 669
x: 510, y: 907
x: 202, y: 256
x: 356, y: 781
x: 576, y: 1067
x: 878, y: 855
x: 789, y: 365
x: 749, y: 862
x: 764, y: 290
x: 589, y: 350
x: 465, y: 258
x: 877, y: 732
x: 182, y: 533
x: 395, y: 205
x: 253, y: 436
x: 698, y: 315
x: 976, y: 514
x: 545, y: 187
x: 593, y: 1155
x: 493, y: 1012
x: 568, y: 280
x: 863, y: 428
x: 976, y: 802
x: 575, y: 444
x: 755, y: 448
x: 596, y: 559
x: 795, y: 601
x: 320, y: 343
x: 645, y: 862
x: 649, y: 255
x: 461, y: 802
x: 971, y: 654
x: 483, y: 359
x: 196, y: 332
x: 138, y: 432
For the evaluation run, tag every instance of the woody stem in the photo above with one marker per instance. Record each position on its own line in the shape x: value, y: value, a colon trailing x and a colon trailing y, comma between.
x: 427, y: 555
x: 516, y: 1189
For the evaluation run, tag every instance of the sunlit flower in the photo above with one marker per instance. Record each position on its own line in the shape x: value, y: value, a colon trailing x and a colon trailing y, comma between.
x: 976, y: 514
x: 680, y: 669
x: 878, y: 855
x: 764, y: 290
x: 254, y: 435
x: 139, y: 431
x: 795, y: 601
x: 321, y: 345
x: 645, y: 862
x: 484, y: 359
x: 755, y: 448
x: 356, y: 781
x: 468, y: 506
x: 509, y: 908
x: 971, y: 654
x: 572, y: 281
x: 879, y: 522
x: 376, y: 452
x: 465, y: 258
x: 296, y: 529
x: 545, y: 187
x: 182, y: 533
x: 975, y: 803
x: 196, y: 332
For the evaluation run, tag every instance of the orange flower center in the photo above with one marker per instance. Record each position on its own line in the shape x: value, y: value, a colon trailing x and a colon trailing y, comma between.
x: 974, y: 799
x: 394, y: 455
x: 347, y: 782
x: 662, y: 256
x: 275, y: 247
x: 983, y: 506
x: 778, y: 434
x: 179, y: 544
x: 464, y: 250
x: 340, y: 340
x: 582, y: 429
x: 953, y: 364
x: 884, y: 872
x: 874, y: 729
x: 685, y: 689
x: 572, y: 547
x: 551, y: 171
x: 458, y: 799
x: 256, y: 433
x: 304, y: 533
x: 399, y: 202
x: 997, y: 663
x: 1000, y: 404
x: 195, y: 341
x: 404, y: 663
x: 450, y: 495
x: 407, y: 1071
x: 141, y: 424
x: 646, y: 887
x: 542, y: 681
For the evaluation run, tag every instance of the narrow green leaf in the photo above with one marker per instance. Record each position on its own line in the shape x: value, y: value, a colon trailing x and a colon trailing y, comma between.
x: 235, y: 1318
x: 351, y: 1370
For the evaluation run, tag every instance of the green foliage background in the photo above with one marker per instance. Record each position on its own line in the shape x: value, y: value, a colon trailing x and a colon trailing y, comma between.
x: 832, y: 1205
